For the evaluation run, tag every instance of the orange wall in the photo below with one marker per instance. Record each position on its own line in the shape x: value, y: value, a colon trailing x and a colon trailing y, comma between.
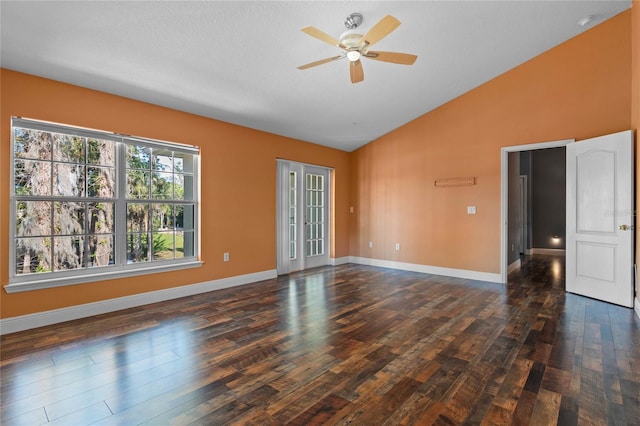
x: 579, y: 89
x: 238, y: 185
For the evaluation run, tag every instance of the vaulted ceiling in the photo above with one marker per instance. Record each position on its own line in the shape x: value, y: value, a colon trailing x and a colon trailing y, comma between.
x: 237, y: 61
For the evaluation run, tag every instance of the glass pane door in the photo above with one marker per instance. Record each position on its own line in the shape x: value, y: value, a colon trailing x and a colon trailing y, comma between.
x: 315, y: 218
x: 303, y: 216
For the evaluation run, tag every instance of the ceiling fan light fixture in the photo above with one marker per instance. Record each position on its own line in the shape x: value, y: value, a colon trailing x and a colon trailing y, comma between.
x: 353, y: 55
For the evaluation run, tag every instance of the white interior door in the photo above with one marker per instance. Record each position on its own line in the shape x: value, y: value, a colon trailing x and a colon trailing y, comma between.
x: 303, y: 216
x: 600, y: 219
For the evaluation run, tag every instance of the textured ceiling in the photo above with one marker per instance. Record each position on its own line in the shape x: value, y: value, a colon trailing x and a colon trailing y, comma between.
x: 237, y: 61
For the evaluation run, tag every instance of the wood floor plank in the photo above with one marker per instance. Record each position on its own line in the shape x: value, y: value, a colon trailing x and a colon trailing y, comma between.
x: 378, y: 413
x: 546, y: 409
x: 568, y: 411
x: 86, y: 415
x: 321, y: 411
x: 337, y: 345
x: 76, y: 382
x: 170, y: 401
x: 523, y: 411
x: 631, y: 398
x: 304, y: 399
x: 34, y: 417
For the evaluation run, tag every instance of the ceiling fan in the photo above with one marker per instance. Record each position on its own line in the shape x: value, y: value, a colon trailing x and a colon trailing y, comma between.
x: 356, y: 46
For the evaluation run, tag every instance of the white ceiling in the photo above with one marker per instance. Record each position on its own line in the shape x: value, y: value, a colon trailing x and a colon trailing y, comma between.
x: 237, y: 61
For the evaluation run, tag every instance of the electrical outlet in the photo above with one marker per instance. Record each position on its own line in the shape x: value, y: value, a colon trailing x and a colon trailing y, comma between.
x: 225, y: 257
x: 397, y: 246
x: 370, y: 244
x: 471, y: 209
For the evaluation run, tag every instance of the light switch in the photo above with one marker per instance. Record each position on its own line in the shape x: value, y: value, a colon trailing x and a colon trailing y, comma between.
x: 471, y: 209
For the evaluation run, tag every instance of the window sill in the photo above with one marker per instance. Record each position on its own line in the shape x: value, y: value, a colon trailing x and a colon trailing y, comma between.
x: 110, y: 275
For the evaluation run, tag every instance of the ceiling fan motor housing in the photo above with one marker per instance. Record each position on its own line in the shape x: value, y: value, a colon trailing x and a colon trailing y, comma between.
x: 350, y: 39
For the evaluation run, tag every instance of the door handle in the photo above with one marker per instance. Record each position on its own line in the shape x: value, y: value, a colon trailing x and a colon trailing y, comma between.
x: 626, y: 227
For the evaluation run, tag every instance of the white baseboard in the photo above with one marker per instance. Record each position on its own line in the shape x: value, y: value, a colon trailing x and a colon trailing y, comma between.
x: 637, y: 306
x: 426, y: 269
x: 335, y: 261
x: 557, y: 252
x: 514, y: 265
x: 39, y: 319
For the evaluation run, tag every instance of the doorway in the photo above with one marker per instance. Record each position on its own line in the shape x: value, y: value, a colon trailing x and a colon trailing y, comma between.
x: 510, y: 215
x: 302, y: 216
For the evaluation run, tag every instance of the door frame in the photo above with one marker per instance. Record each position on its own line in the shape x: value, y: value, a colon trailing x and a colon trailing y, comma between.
x: 283, y: 167
x: 523, y: 205
x: 504, y: 197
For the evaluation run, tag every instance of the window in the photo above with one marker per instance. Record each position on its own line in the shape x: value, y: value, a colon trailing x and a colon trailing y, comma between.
x: 89, y: 205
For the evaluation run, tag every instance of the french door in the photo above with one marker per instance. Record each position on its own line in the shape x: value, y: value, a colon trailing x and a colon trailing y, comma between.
x: 302, y: 216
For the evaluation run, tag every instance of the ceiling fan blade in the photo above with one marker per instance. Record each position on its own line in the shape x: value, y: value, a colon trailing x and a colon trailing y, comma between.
x: 380, y: 30
x: 356, y: 71
x: 320, y: 62
x: 394, y: 57
x: 322, y: 36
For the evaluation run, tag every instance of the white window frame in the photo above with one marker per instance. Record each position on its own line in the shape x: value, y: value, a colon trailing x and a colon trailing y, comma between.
x: 120, y: 269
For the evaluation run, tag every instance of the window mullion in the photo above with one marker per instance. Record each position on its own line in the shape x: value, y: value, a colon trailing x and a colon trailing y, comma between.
x: 52, y: 208
x: 150, y: 207
x: 121, y: 205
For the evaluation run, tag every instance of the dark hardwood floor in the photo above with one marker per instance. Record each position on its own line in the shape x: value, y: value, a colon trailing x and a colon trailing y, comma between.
x: 345, y: 345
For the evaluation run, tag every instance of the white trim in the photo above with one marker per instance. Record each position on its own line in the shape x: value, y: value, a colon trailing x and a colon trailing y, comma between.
x: 504, y: 156
x: 283, y: 262
x: 514, y: 265
x: 39, y: 319
x: 637, y: 307
x: 426, y: 269
x: 336, y: 261
x: 49, y: 126
x: 98, y: 276
x: 556, y: 252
